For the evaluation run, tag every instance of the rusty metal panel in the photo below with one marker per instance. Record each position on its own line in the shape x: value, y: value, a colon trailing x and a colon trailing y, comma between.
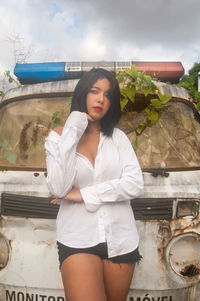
x: 31, y: 241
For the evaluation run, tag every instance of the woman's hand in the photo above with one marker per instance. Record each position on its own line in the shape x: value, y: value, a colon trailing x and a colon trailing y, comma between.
x: 58, y: 130
x: 54, y: 201
x: 89, y: 118
x: 73, y: 195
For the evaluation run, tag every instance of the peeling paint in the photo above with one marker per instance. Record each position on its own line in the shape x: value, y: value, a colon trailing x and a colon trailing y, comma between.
x: 36, y: 174
x: 190, y: 270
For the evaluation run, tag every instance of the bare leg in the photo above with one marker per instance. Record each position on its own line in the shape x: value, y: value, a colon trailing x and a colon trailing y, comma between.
x: 82, y: 276
x: 117, y: 278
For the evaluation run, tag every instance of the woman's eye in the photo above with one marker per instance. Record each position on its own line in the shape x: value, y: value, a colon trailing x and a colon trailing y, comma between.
x: 93, y: 91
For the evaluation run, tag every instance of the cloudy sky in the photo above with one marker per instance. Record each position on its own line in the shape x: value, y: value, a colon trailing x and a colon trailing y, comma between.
x: 78, y: 30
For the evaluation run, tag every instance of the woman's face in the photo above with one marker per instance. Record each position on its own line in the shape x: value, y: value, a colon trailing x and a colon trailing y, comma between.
x: 97, y: 100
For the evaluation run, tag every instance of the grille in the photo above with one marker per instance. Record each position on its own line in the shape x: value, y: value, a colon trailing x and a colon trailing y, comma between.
x: 28, y: 206
x: 40, y: 207
x: 152, y: 209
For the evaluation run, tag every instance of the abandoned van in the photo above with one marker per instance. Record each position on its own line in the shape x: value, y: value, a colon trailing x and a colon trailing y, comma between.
x: 167, y: 214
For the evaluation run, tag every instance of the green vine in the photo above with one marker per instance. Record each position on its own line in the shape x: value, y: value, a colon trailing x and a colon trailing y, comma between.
x: 8, y: 152
x: 57, y: 117
x: 54, y: 118
x: 190, y: 82
x: 133, y: 83
x: 11, y: 80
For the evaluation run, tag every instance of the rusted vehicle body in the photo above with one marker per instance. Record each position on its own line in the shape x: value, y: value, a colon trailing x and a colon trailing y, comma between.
x: 167, y: 214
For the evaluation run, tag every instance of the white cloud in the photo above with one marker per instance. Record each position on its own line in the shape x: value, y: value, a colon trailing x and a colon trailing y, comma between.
x: 64, y: 30
x: 93, y: 47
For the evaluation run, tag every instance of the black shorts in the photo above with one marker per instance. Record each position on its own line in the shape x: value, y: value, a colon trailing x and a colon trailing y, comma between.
x: 99, y: 250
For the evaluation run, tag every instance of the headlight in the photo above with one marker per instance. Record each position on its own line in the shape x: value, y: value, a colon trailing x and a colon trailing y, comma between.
x: 183, y: 255
x: 4, y: 251
x: 187, y: 208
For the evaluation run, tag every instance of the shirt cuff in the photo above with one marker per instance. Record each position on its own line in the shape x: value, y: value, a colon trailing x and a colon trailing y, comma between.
x: 53, y: 136
x: 76, y: 120
x: 90, y: 199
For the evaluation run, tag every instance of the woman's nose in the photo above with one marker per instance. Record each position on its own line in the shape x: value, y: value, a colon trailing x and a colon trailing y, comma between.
x: 101, y: 98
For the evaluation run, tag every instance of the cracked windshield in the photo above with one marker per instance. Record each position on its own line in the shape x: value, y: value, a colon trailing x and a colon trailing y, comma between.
x: 171, y: 143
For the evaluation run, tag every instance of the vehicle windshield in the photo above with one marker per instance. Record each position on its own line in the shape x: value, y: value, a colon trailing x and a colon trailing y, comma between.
x: 24, y: 124
x: 172, y: 143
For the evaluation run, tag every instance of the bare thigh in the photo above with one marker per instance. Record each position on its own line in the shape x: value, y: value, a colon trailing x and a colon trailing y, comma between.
x: 82, y: 276
x: 117, y: 279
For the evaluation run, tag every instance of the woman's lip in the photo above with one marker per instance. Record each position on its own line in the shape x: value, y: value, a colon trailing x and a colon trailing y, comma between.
x: 99, y: 109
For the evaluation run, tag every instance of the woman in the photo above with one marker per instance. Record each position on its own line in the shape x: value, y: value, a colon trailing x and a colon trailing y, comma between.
x: 93, y: 173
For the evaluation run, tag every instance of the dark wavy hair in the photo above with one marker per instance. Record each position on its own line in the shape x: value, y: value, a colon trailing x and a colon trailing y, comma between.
x: 112, y: 117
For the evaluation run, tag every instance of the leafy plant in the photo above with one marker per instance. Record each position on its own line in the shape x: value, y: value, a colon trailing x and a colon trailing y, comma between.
x: 190, y: 82
x: 53, y: 118
x: 2, y: 93
x: 10, y: 79
x: 8, y: 152
x: 133, y: 83
x: 57, y: 117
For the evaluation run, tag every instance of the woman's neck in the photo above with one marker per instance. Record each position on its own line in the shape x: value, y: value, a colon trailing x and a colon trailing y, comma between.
x: 94, y: 127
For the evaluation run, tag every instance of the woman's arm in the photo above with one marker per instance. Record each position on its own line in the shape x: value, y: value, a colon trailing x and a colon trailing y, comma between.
x: 128, y: 186
x: 73, y: 195
x: 60, y: 148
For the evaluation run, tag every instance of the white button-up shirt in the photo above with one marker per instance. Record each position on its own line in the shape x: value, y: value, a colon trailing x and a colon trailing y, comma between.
x: 105, y: 215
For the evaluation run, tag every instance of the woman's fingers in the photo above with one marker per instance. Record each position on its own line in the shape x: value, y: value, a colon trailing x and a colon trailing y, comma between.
x: 89, y: 118
x: 73, y: 195
x: 55, y: 201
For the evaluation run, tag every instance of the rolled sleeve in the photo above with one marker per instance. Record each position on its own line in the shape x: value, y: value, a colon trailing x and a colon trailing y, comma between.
x: 61, y: 154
